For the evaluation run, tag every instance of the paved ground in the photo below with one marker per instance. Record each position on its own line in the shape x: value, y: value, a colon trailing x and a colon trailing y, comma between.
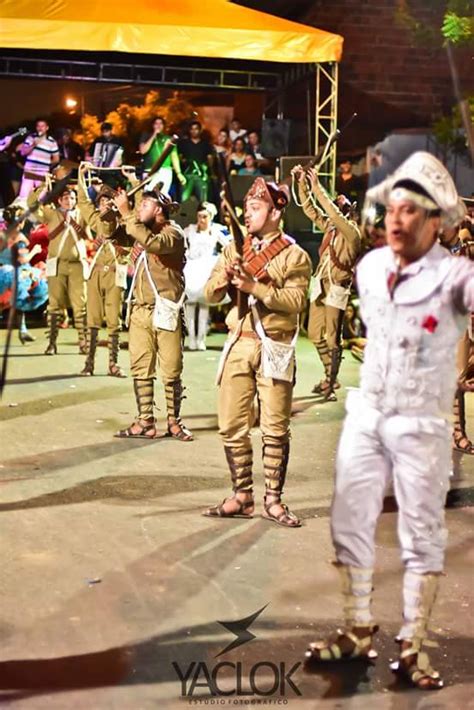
x: 110, y: 574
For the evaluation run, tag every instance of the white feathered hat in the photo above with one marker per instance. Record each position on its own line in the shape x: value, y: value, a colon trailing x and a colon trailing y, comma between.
x: 430, y: 174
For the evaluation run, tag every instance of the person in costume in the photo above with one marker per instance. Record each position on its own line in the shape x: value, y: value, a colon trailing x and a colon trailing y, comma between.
x: 151, y: 146
x: 414, y: 299
x: 107, y: 275
x: 155, y: 302
x: 340, y: 248
x: 66, y: 265
x: 32, y: 286
x: 204, y: 241
x: 460, y: 243
x: 258, y: 358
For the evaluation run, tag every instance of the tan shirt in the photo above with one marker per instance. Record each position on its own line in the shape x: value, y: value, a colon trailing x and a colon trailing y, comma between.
x: 53, y: 217
x: 165, y: 256
x: 110, y: 252
x: 344, y: 234
x: 278, y: 303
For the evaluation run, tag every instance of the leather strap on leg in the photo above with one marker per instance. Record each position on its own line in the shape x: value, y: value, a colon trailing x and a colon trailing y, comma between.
x: 419, y: 596
x: 92, y: 335
x: 53, y: 329
x: 81, y: 327
x: 240, y: 462
x: 114, y: 347
x: 335, y: 364
x: 275, y: 464
x: 144, y: 393
x: 357, y: 588
x: 174, y: 395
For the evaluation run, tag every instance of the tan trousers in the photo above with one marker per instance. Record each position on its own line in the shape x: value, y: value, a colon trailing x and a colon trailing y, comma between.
x: 325, y: 324
x: 104, y: 301
x: 465, y: 356
x: 241, y: 381
x: 68, y: 287
x: 147, y: 345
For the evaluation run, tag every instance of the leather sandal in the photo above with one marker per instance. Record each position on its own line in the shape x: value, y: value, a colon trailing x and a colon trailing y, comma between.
x: 323, y: 386
x: 284, y: 518
x: 140, y: 434
x: 177, y: 430
x: 218, y: 511
x: 116, y: 371
x: 462, y: 443
x: 414, y: 666
x: 343, y: 646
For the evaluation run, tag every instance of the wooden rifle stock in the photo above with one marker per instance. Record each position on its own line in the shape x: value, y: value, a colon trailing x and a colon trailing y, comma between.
x: 235, y: 228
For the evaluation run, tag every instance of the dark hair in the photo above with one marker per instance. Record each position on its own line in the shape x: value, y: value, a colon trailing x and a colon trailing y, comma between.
x: 106, y: 126
x: 12, y: 213
x: 195, y: 123
x: 160, y: 118
x: 415, y: 187
x: 42, y: 119
x: 238, y: 140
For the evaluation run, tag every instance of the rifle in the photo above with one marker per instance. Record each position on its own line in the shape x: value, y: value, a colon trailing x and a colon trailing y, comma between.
x: 235, y: 227
x: 168, y: 147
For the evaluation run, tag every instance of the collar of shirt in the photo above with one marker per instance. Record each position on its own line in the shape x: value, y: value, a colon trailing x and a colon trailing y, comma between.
x: 259, y: 244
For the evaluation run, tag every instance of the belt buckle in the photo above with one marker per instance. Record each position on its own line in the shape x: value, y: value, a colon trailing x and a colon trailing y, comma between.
x: 106, y: 268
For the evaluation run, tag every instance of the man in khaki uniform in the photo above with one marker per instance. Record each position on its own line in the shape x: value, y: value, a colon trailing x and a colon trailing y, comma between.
x: 156, y: 298
x: 66, y: 265
x: 107, y: 279
x: 460, y: 243
x: 338, y: 253
x: 275, y: 272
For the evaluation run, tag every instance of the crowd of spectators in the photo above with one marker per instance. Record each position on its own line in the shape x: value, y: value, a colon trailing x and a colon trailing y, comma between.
x: 192, y: 169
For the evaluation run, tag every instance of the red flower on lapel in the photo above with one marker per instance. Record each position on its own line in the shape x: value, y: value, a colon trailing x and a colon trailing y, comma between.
x: 430, y: 324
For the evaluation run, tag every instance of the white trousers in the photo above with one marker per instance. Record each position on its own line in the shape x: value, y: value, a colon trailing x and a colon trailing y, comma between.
x: 414, y: 453
x: 164, y: 175
x: 27, y: 185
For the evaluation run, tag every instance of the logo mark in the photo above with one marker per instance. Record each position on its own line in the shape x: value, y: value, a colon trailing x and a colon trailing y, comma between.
x: 240, y: 629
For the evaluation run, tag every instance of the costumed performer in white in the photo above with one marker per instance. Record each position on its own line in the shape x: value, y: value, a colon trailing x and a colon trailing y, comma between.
x: 204, y: 242
x: 414, y: 298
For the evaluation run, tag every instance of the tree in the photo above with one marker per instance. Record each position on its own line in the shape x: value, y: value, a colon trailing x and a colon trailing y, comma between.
x: 457, y: 30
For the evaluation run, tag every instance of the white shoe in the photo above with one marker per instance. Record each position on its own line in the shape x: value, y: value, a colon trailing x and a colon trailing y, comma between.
x: 201, y: 345
x: 192, y: 344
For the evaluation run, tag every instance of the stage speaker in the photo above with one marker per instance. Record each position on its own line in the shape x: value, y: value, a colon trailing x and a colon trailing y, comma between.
x: 187, y: 212
x: 295, y: 218
x: 241, y: 184
x: 275, y: 137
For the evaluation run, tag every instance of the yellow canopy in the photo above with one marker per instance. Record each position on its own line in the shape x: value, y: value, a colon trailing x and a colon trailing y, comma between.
x: 193, y: 28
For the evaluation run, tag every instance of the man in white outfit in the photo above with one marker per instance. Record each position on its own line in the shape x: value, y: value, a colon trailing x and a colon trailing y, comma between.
x: 415, y: 298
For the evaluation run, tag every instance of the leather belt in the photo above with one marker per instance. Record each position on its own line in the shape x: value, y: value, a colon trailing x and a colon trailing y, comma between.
x: 34, y: 176
x: 280, y: 335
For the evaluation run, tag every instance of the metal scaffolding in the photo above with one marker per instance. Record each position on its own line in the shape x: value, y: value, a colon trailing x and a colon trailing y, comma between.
x: 156, y: 74
x: 326, y: 118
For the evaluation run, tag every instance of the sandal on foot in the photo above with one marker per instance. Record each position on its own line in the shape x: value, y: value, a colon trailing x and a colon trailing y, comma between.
x: 284, y: 518
x: 344, y: 646
x: 116, y: 371
x: 463, y: 444
x: 140, y: 434
x: 414, y: 666
x: 322, y: 386
x: 218, y: 511
x: 180, y: 432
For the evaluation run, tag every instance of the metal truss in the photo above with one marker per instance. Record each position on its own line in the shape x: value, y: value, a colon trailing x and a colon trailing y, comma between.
x: 326, y: 119
x: 159, y: 75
